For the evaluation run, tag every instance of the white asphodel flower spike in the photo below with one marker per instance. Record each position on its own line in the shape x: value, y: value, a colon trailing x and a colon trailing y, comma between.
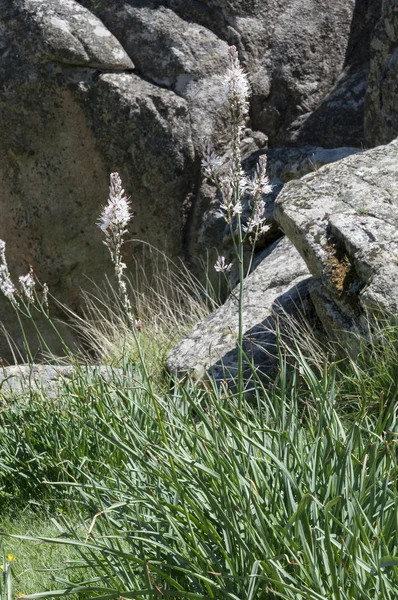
x: 236, y: 85
x: 6, y: 285
x: 232, y: 186
x: 258, y: 186
x: 113, y: 221
x: 27, y: 285
x: 116, y: 214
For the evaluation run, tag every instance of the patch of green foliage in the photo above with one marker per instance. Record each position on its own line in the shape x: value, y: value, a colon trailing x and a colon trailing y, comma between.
x: 186, y: 492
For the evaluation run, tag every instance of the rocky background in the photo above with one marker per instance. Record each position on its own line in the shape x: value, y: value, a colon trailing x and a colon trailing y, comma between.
x: 92, y: 86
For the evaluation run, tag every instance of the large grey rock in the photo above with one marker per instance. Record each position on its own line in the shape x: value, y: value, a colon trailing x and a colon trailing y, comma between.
x: 88, y: 87
x: 66, y: 123
x: 174, y: 53
x: 65, y: 32
x: 344, y: 221
x: 279, y: 284
x: 381, y: 117
x: 294, y: 52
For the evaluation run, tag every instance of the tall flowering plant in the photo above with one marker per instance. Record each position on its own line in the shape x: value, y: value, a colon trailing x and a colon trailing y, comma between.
x: 113, y: 221
x: 27, y: 282
x: 24, y: 297
x: 236, y: 185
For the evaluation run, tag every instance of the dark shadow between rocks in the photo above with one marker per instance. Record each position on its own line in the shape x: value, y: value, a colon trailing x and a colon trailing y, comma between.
x: 339, y: 119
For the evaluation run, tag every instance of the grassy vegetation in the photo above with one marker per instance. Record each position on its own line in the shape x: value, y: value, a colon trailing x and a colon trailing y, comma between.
x: 182, y: 492
x: 34, y: 564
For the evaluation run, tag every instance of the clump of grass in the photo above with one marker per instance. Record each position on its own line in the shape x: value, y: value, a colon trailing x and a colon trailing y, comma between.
x: 371, y: 376
x: 45, y: 438
x: 169, y: 302
x: 197, y: 496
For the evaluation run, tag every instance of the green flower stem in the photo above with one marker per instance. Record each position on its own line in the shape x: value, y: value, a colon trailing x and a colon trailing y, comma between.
x: 240, y: 311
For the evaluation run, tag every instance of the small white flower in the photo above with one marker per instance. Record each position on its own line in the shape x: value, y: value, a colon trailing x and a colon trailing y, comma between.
x: 264, y: 229
x: 244, y: 183
x: 237, y: 209
x: 116, y: 215
x: 226, y: 206
x: 27, y: 284
x: 210, y: 162
x: 222, y: 266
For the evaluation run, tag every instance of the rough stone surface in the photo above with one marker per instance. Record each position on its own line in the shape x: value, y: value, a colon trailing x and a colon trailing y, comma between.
x: 344, y: 221
x: 65, y: 127
x: 338, y: 119
x: 292, y: 163
x: 173, y: 53
x: 381, y: 117
x: 65, y: 32
x: 279, y: 283
x: 21, y: 380
x: 294, y: 51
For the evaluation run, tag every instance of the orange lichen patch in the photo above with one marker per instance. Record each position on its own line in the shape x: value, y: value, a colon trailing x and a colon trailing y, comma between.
x: 342, y: 274
x: 338, y: 269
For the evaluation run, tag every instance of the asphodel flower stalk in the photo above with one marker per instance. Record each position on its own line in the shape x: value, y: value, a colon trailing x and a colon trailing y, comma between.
x: 236, y: 185
x: 113, y: 221
x: 6, y: 285
x: 27, y: 282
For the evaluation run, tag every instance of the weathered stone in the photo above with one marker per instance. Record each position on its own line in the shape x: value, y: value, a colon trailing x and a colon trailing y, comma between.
x: 65, y: 32
x: 293, y: 163
x: 23, y: 380
x: 173, y: 53
x: 338, y: 120
x: 72, y: 110
x: 64, y: 129
x: 381, y: 117
x: 278, y: 284
x: 294, y: 52
x: 344, y: 221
